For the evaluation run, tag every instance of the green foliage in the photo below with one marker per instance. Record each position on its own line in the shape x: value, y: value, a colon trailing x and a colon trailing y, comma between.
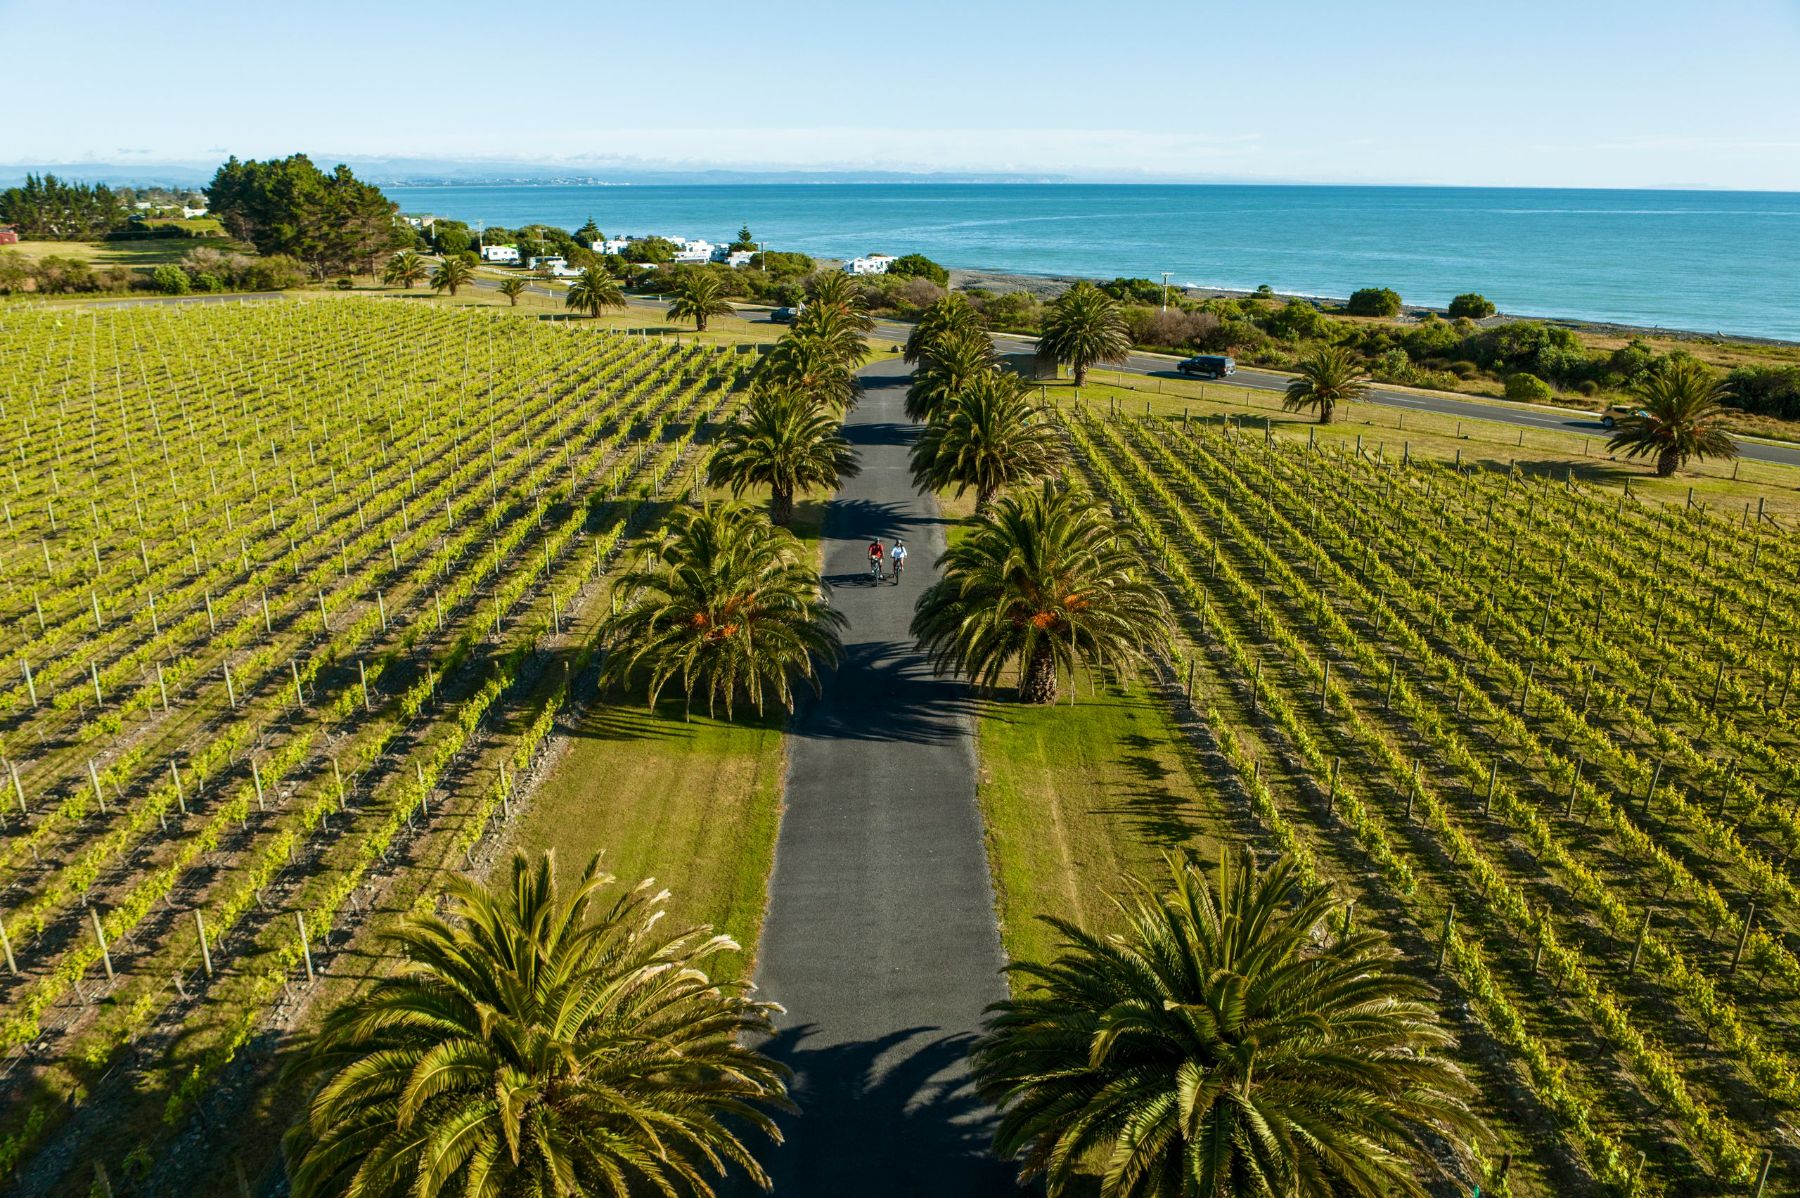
x: 405, y: 268
x: 47, y: 208
x: 745, y: 240
x: 985, y: 435
x: 1528, y: 388
x: 594, y: 291
x: 698, y: 296
x: 1765, y: 390
x: 728, y: 607
x: 453, y: 272
x: 785, y: 441
x: 1013, y: 311
x: 1083, y: 326
x: 1298, y: 320
x: 451, y: 237
x: 949, y: 363
x: 538, y: 1040
x: 782, y: 264
x: 1471, y: 305
x: 650, y: 249
x: 1227, y: 1042
x: 288, y: 206
x: 1374, y: 301
x: 589, y: 233
x: 1135, y: 291
x: 949, y: 316
x: 170, y: 279
x: 1042, y: 582
x: 1327, y: 377
x: 918, y: 266
x: 1682, y: 403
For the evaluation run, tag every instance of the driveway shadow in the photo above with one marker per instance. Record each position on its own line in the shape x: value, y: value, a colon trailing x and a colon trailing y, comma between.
x: 894, y: 1117
x: 884, y: 433
x: 860, y: 518
x: 883, y: 691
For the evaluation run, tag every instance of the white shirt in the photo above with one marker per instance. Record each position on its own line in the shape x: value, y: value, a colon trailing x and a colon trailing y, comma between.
x: 899, y: 553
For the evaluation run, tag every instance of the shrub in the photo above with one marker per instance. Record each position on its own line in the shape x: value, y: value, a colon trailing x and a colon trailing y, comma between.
x: 1134, y: 291
x: 918, y: 266
x: 918, y: 292
x: 1528, y: 388
x: 1471, y: 305
x: 1298, y: 321
x: 1765, y: 391
x: 1374, y: 301
x: 1015, y: 310
x: 1175, y: 329
x: 345, y: 283
x: 170, y: 279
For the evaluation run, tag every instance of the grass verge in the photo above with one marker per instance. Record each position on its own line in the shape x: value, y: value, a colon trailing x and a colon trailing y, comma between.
x: 1078, y: 797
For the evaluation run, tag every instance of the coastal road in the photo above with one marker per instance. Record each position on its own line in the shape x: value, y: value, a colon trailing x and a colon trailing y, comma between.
x: 881, y: 940
x: 1533, y: 416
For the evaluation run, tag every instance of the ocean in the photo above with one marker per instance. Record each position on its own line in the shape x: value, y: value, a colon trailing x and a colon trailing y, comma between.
x: 1713, y: 261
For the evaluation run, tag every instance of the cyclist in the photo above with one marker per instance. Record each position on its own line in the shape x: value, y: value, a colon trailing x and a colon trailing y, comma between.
x: 898, y: 554
x: 876, y: 553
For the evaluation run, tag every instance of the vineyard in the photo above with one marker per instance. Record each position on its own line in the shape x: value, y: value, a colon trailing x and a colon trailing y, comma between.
x: 292, y: 595
x: 1544, y: 737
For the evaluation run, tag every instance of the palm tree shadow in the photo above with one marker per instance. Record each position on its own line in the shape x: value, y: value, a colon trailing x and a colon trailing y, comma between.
x: 893, y: 1117
x: 1159, y: 815
x: 883, y: 691
x: 859, y: 518
x: 881, y: 433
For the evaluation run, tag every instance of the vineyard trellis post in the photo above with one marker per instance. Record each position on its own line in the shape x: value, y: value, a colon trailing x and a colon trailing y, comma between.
x: 100, y: 936
x: 305, y: 944
x: 1743, y: 938
x: 1444, y: 938
x: 12, y: 966
x: 205, y: 949
x: 1637, y: 949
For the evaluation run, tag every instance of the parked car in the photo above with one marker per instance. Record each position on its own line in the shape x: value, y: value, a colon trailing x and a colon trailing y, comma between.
x: 785, y: 315
x: 1612, y: 414
x: 1207, y: 366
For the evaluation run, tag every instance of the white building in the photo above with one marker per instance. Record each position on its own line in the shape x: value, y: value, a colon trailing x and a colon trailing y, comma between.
x: 736, y: 257
x: 546, y: 262
x: 692, y: 251
x: 612, y: 245
x: 874, y: 264
x: 500, y: 253
x: 188, y: 213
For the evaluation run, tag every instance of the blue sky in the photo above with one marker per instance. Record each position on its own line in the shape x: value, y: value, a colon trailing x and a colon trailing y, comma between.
x: 1577, y: 93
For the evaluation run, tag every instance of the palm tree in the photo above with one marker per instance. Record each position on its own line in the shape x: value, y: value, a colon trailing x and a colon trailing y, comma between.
x: 833, y: 289
x: 594, y: 291
x: 451, y: 273
x: 697, y: 297
x: 1084, y: 325
x: 1683, y: 402
x: 819, y: 366
x: 840, y: 325
x: 987, y: 436
x: 729, y: 605
x: 538, y: 1041
x: 786, y: 442
x: 512, y: 289
x: 1328, y: 376
x: 945, y: 319
x: 1042, y: 582
x: 1223, y: 1043
x: 946, y: 368
x: 405, y: 268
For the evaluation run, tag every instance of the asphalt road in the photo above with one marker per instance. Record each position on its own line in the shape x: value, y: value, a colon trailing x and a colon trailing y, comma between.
x: 880, y: 939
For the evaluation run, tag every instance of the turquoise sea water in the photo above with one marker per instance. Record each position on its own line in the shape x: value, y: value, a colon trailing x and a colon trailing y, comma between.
x: 1706, y: 261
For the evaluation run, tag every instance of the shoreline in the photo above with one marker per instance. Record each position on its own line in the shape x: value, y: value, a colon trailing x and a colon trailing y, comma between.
x: 1047, y: 285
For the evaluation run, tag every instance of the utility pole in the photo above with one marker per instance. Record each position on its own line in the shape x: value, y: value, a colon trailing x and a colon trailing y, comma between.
x: 1165, y: 303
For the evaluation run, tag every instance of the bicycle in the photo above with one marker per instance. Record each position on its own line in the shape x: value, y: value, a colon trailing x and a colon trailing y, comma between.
x: 875, y: 569
x: 899, y: 564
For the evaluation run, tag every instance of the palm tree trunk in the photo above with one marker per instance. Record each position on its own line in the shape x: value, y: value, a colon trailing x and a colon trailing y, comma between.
x: 1667, y: 462
x: 1039, y: 686
x: 699, y: 324
x: 1081, y: 374
x: 1325, y: 411
x: 781, y: 506
x: 984, y: 500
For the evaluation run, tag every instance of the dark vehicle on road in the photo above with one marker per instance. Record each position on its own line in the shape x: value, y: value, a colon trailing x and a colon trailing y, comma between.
x: 1207, y: 366
x: 785, y: 315
x: 1611, y: 416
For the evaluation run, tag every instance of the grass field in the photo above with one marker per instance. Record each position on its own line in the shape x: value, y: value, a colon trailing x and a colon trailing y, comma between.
x: 1079, y: 797
x: 139, y: 253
